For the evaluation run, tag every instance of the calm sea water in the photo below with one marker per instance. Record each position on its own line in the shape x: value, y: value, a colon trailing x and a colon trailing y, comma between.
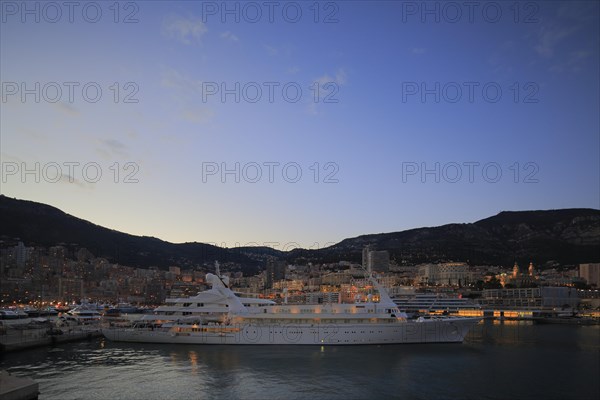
x: 498, y: 361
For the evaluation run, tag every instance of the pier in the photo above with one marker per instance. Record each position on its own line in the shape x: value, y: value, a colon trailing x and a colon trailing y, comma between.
x: 16, y: 388
x: 21, y: 339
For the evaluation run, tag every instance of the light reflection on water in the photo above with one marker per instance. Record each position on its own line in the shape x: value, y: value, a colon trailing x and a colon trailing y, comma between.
x: 516, y: 360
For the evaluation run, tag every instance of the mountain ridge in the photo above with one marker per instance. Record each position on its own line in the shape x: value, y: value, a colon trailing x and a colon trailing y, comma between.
x: 563, y: 236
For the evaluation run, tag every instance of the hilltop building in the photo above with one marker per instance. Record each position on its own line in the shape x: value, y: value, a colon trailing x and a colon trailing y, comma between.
x: 375, y: 261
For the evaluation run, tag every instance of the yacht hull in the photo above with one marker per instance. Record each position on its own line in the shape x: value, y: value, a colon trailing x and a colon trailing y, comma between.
x: 451, y: 330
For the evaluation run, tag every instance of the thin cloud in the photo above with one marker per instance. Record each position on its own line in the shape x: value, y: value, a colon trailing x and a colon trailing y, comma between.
x: 272, y: 51
x: 328, y: 89
x: 185, y: 30
x: 562, y: 40
x: 555, y: 30
x: 574, y: 62
x: 132, y: 133
x: 33, y: 134
x: 69, y: 180
x: 173, y: 79
x: 578, y: 57
x: 284, y: 50
x: 418, y: 50
x: 113, y: 146
x: 549, y: 38
x: 198, y: 115
x: 187, y: 92
x: 64, y: 178
x: 340, y: 78
x: 227, y: 35
x: 9, y: 158
x: 66, y: 108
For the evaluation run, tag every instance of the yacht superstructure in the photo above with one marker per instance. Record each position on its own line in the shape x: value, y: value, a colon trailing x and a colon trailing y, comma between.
x: 210, y: 306
x: 434, y: 303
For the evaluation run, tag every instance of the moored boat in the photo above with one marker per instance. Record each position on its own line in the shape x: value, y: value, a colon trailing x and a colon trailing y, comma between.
x: 85, y: 313
x: 14, y: 316
x: 323, y: 324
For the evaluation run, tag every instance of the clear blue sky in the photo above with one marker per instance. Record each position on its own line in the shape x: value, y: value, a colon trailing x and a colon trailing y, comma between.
x: 388, y: 89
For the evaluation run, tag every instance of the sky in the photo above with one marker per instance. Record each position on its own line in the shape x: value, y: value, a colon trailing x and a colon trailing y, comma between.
x: 298, y: 124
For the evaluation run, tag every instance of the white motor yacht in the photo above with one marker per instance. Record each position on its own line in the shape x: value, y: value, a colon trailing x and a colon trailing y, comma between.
x: 233, y: 322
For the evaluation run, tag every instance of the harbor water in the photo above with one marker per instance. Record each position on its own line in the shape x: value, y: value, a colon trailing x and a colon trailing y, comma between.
x: 499, y: 360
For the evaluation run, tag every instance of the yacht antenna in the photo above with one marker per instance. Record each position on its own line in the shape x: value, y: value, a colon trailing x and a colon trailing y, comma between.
x: 218, y: 273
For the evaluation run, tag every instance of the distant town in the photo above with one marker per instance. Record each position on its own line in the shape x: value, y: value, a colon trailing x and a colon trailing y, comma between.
x: 54, y: 276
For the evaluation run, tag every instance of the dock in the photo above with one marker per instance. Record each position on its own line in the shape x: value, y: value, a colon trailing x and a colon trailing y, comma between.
x: 17, y: 388
x: 21, y: 339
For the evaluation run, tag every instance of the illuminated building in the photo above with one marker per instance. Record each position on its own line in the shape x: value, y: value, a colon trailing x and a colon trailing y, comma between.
x: 591, y: 273
x: 444, y: 274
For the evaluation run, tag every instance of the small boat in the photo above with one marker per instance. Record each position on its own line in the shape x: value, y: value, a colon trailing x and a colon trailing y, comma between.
x: 13, y: 316
x: 85, y: 312
x: 125, y: 308
x: 42, y: 312
x: 8, y: 315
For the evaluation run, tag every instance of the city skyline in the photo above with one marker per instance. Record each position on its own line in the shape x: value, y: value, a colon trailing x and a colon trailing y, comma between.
x: 305, y: 123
